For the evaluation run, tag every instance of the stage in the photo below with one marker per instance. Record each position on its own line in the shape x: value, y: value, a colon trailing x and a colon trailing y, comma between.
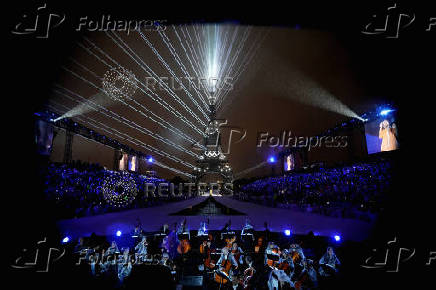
x: 278, y: 220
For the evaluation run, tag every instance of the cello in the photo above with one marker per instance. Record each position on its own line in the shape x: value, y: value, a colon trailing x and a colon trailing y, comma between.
x: 222, y: 275
x: 184, y: 246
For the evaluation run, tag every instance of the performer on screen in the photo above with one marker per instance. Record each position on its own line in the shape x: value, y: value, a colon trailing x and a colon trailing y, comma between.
x: 289, y: 162
x: 388, y: 134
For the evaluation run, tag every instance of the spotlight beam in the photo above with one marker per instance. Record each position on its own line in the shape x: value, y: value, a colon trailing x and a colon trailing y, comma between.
x: 173, y: 74
x: 134, y: 126
x: 167, y: 41
x: 130, y: 139
x: 152, y: 74
x: 160, y: 121
x: 195, y: 70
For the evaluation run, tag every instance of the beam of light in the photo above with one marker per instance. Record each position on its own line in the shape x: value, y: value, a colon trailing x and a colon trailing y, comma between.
x: 300, y: 88
x: 130, y: 124
x: 206, y: 116
x: 161, y: 102
x: 129, y: 138
x: 235, y: 57
x: 176, y: 56
x: 248, y: 170
x: 155, y: 118
x: 150, y: 72
x: 83, y: 108
x: 246, y: 62
x: 197, y: 73
x: 134, y: 141
x: 213, y: 43
x: 162, y: 84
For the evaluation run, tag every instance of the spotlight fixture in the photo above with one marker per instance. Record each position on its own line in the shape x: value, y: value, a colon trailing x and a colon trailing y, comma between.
x: 272, y: 159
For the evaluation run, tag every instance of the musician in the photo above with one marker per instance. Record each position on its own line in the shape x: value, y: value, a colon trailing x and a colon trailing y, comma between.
x: 226, y: 254
x: 247, y: 232
x: 202, y: 231
x: 94, y: 261
x: 165, y: 260
x: 329, y: 259
x: 312, y: 282
x: 286, y: 262
x: 247, y: 227
x: 141, y: 248
x: 182, y: 228
x: 137, y: 232
x: 165, y: 230
x: 113, y: 249
x: 80, y: 246
x: 124, y: 265
x: 272, y: 250
x: 238, y: 253
x: 296, y: 248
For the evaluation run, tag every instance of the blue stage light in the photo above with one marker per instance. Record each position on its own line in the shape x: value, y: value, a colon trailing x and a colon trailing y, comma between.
x: 287, y: 233
x: 272, y: 159
x: 65, y: 240
x: 150, y: 160
x: 385, y: 112
x: 337, y: 238
x: 118, y: 233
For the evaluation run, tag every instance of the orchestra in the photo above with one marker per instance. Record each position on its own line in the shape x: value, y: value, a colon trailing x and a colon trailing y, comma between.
x: 219, y: 258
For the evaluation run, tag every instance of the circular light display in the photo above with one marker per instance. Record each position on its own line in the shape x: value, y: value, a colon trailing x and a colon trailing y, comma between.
x: 119, y: 83
x: 119, y: 190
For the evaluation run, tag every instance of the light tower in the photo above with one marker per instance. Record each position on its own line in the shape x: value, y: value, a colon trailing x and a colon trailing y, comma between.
x: 212, y: 161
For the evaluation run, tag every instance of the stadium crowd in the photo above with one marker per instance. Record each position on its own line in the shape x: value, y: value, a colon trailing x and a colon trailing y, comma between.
x: 354, y: 191
x: 79, y: 189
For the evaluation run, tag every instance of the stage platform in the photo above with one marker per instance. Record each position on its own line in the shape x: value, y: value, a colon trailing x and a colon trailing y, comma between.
x: 278, y: 220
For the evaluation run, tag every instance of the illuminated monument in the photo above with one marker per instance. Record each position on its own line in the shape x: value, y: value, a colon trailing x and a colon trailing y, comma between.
x: 212, y: 165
